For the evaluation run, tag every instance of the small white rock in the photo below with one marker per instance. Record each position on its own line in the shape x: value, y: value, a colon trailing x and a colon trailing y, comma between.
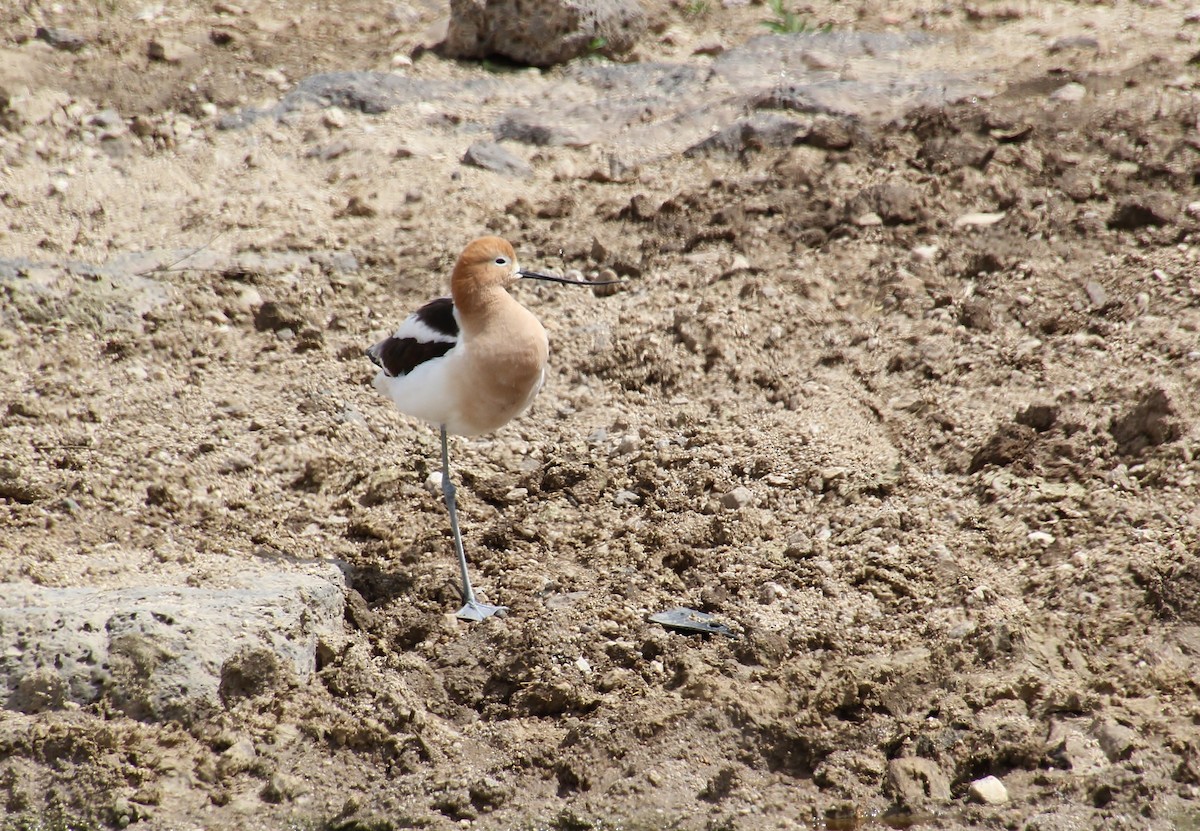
x: 624, y: 499
x: 516, y: 495
x: 1041, y: 537
x: 978, y: 220
x: 628, y: 444
x: 739, y: 497
x: 771, y: 591
x: 1070, y: 93
x: 335, y: 118
x: 989, y: 790
x: 249, y: 299
x: 275, y: 78
x: 433, y: 482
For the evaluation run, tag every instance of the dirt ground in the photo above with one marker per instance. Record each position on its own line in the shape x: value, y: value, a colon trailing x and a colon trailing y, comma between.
x: 913, y: 410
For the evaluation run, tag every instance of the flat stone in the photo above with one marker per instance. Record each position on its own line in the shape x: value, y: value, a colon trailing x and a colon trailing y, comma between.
x: 162, y: 653
x: 491, y: 156
x: 59, y: 38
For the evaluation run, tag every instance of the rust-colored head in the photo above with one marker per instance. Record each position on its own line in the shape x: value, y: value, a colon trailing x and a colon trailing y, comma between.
x: 488, y: 265
x: 486, y: 262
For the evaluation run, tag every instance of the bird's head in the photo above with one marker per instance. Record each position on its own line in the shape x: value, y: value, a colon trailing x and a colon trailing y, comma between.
x: 486, y: 262
x: 491, y: 261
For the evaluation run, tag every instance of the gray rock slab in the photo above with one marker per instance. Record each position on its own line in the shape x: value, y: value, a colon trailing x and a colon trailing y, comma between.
x: 368, y: 92
x: 119, y: 291
x: 161, y: 653
x: 491, y: 156
x: 770, y: 59
x: 658, y: 109
x: 753, y: 132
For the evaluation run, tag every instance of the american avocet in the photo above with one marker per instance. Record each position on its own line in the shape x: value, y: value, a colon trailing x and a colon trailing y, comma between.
x: 468, y: 364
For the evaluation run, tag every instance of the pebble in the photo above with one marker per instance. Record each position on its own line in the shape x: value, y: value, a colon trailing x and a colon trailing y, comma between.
x: 433, y: 482
x: 710, y: 46
x: 1096, y: 294
x: 352, y: 416
x: 249, y: 299
x: 628, y: 444
x: 1041, y: 537
x: 624, y: 499
x: 516, y: 495
x: 63, y: 39
x: 275, y: 78
x: 109, y: 120
x: 739, y: 497
x: 491, y: 156
x: 1069, y: 93
x: 978, y: 220
x: 771, y: 591
x: 168, y: 51
x: 334, y: 118
x: 989, y: 790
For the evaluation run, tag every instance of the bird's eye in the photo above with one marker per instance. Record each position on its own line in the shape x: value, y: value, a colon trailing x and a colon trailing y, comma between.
x: 502, y: 261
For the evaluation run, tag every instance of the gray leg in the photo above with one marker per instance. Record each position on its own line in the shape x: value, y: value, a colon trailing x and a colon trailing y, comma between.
x: 472, y: 608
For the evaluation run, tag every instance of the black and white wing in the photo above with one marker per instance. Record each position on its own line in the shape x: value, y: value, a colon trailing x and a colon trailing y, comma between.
x: 428, y: 333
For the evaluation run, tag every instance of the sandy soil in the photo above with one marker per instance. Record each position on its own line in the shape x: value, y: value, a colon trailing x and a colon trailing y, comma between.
x: 915, y: 414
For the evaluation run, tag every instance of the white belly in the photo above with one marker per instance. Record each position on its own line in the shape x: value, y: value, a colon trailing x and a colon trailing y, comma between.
x: 440, y: 392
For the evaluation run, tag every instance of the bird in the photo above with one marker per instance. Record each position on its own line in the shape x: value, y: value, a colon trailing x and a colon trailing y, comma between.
x: 468, y: 364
